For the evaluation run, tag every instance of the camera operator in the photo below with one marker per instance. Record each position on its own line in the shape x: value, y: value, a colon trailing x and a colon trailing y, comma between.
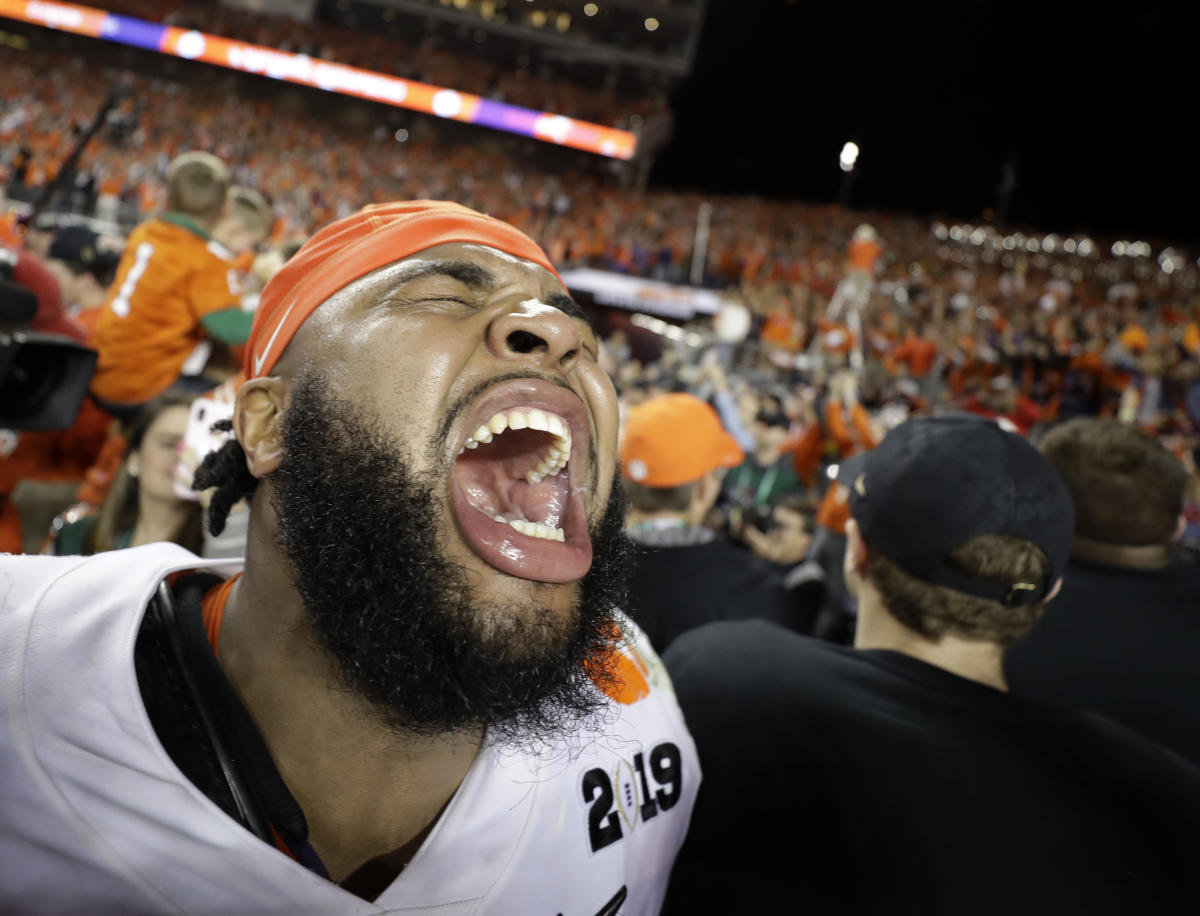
x: 44, y: 448
x: 24, y: 272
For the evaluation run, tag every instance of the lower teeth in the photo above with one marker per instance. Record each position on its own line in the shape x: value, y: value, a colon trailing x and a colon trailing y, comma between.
x: 534, y: 529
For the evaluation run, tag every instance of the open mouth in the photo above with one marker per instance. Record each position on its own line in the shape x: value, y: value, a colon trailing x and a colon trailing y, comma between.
x: 517, y: 499
x: 512, y: 469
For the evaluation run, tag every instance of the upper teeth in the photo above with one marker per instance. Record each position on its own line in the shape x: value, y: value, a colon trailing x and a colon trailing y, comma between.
x: 559, y: 453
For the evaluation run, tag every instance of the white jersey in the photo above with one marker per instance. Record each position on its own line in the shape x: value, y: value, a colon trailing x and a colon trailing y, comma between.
x: 95, y: 817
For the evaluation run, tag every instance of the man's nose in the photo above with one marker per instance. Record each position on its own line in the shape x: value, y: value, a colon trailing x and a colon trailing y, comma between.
x: 536, y: 332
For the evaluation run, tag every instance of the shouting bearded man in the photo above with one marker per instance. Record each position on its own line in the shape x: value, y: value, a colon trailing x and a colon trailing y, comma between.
x: 418, y: 694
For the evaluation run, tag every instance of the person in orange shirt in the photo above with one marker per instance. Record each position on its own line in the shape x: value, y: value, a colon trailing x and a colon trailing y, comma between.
x: 780, y: 327
x: 836, y: 340
x: 846, y: 440
x: 176, y: 284
x: 864, y: 250
x: 854, y: 291
x: 1135, y: 339
x: 9, y: 232
x: 916, y: 352
x: 1191, y: 338
x: 845, y: 432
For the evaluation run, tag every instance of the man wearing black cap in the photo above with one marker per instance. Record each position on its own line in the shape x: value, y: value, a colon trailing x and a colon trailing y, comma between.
x: 85, y: 263
x: 900, y: 776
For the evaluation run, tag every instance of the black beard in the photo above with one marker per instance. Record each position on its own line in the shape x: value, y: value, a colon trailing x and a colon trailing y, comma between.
x: 399, y: 619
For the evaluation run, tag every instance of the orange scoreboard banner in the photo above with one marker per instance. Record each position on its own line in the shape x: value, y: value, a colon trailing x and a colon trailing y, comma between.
x: 304, y: 70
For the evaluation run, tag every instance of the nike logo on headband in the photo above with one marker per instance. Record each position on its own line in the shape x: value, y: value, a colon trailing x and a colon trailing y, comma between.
x: 262, y: 358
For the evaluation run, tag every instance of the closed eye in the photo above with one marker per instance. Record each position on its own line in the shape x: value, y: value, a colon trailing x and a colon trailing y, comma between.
x: 407, y: 302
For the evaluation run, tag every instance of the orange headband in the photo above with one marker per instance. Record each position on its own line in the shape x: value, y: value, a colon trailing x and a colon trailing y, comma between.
x: 350, y: 248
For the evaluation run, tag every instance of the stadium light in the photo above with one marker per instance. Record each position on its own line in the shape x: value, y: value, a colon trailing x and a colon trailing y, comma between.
x: 849, y: 156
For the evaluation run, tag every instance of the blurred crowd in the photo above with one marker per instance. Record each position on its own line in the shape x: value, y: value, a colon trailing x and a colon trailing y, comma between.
x: 835, y: 327
x: 425, y: 61
x: 852, y: 321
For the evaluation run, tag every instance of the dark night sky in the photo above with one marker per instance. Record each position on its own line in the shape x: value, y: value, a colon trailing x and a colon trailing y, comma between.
x: 1093, y: 99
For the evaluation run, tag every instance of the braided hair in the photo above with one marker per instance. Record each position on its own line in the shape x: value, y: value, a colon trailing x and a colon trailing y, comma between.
x: 225, y: 468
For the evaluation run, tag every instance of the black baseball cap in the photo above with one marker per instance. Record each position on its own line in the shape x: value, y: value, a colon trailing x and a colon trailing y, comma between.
x: 83, y: 248
x: 934, y: 483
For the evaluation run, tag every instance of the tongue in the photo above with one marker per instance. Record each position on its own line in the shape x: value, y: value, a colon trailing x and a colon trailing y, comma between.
x: 486, y: 484
x: 490, y: 489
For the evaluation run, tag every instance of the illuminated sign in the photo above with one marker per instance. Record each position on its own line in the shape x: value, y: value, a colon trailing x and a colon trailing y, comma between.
x: 322, y: 74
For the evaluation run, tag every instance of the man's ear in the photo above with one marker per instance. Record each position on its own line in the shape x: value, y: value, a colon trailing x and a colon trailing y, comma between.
x: 256, y: 423
x: 1180, y: 529
x: 857, y: 552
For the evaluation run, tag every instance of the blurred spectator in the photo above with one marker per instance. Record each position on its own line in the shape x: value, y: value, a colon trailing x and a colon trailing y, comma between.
x: 1121, y: 638
x: 916, y: 784
x: 1002, y: 402
x: 765, y: 478
x: 40, y: 469
x: 245, y: 223
x: 915, y: 355
x: 840, y: 430
x: 29, y: 270
x: 175, y: 286
x: 40, y: 231
x: 141, y: 506
x: 673, y: 454
x: 854, y: 291
x: 84, y: 263
x: 206, y: 433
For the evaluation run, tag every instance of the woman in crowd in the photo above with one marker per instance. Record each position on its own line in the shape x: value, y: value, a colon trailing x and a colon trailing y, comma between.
x: 141, y: 506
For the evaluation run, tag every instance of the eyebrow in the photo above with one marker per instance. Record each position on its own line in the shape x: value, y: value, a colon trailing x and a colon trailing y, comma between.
x: 568, y: 307
x: 465, y: 272
x: 480, y: 279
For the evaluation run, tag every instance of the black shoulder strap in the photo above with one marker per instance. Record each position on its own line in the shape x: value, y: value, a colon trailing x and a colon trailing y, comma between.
x: 203, y: 724
x: 181, y: 715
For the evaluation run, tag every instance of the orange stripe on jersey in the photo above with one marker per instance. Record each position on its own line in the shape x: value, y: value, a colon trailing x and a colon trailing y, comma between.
x: 212, y: 609
x: 622, y: 674
x: 281, y: 845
